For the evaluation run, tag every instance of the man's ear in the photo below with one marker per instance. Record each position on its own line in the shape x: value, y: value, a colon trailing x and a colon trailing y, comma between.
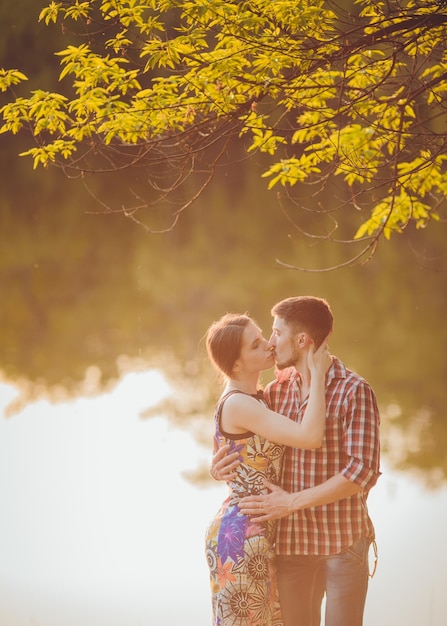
x: 302, y: 340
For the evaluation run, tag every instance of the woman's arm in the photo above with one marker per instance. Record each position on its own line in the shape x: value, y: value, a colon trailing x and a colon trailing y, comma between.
x: 242, y: 412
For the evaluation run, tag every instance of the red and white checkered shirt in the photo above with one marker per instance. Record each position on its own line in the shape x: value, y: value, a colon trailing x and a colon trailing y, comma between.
x: 351, y: 447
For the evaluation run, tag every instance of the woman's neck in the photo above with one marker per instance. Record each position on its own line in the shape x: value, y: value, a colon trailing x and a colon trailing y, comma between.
x: 247, y: 386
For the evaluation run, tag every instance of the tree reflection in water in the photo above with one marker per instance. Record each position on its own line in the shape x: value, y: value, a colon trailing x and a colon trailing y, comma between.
x: 85, y: 288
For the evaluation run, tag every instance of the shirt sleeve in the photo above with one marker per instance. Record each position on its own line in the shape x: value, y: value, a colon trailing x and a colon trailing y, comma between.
x: 362, y: 437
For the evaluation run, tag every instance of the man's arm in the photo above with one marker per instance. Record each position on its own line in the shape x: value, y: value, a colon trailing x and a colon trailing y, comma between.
x: 362, y: 449
x: 279, y: 503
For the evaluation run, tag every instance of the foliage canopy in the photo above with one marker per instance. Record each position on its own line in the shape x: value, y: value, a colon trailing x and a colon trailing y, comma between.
x: 321, y: 92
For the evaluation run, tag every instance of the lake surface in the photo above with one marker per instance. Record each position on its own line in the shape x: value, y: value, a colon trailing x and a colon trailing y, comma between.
x: 100, y: 527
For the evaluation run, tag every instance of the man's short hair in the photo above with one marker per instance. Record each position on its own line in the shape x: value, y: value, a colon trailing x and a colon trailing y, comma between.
x: 306, y: 314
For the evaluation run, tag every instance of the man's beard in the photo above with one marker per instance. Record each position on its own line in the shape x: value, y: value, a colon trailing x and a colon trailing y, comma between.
x: 291, y: 362
x: 285, y: 364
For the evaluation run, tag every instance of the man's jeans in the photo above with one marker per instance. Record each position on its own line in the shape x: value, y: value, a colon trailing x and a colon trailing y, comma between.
x: 303, y: 580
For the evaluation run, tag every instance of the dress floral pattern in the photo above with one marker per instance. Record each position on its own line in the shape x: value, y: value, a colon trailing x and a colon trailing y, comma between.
x: 240, y: 553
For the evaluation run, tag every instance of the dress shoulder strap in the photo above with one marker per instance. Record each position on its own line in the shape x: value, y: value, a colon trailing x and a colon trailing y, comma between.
x: 218, y: 414
x: 221, y: 402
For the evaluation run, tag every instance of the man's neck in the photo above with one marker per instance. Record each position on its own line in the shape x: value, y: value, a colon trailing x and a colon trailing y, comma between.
x: 304, y: 373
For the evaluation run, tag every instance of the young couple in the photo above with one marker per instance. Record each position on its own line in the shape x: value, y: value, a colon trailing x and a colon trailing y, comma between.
x: 305, y: 451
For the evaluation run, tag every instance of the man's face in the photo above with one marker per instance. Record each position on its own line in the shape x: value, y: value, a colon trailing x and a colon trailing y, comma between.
x: 286, y: 354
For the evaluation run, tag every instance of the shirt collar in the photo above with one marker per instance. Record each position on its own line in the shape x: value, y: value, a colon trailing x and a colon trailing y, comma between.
x: 336, y: 370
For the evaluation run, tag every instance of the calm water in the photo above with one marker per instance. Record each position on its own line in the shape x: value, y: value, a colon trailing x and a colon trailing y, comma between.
x: 101, y: 528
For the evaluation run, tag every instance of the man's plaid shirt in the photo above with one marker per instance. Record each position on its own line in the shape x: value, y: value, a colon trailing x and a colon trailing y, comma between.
x: 351, y: 447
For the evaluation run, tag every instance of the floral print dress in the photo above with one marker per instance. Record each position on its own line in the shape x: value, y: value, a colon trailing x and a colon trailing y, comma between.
x: 240, y: 553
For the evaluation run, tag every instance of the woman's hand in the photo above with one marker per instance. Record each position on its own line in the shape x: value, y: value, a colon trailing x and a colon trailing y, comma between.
x: 320, y: 360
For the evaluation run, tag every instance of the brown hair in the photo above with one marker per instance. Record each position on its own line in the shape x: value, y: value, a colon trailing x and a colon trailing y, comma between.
x: 306, y: 314
x: 224, y: 341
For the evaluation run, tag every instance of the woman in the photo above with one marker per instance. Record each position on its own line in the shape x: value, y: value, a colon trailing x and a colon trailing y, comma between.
x: 240, y: 553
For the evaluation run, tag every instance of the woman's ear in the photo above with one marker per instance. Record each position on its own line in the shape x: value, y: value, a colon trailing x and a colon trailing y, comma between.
x: 237, y: 368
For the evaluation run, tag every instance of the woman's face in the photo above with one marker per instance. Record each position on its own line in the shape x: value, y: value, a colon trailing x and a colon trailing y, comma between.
x: 256, y: 351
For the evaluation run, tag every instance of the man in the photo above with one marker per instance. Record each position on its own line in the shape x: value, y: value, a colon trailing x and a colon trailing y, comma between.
x: 324, y: 532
